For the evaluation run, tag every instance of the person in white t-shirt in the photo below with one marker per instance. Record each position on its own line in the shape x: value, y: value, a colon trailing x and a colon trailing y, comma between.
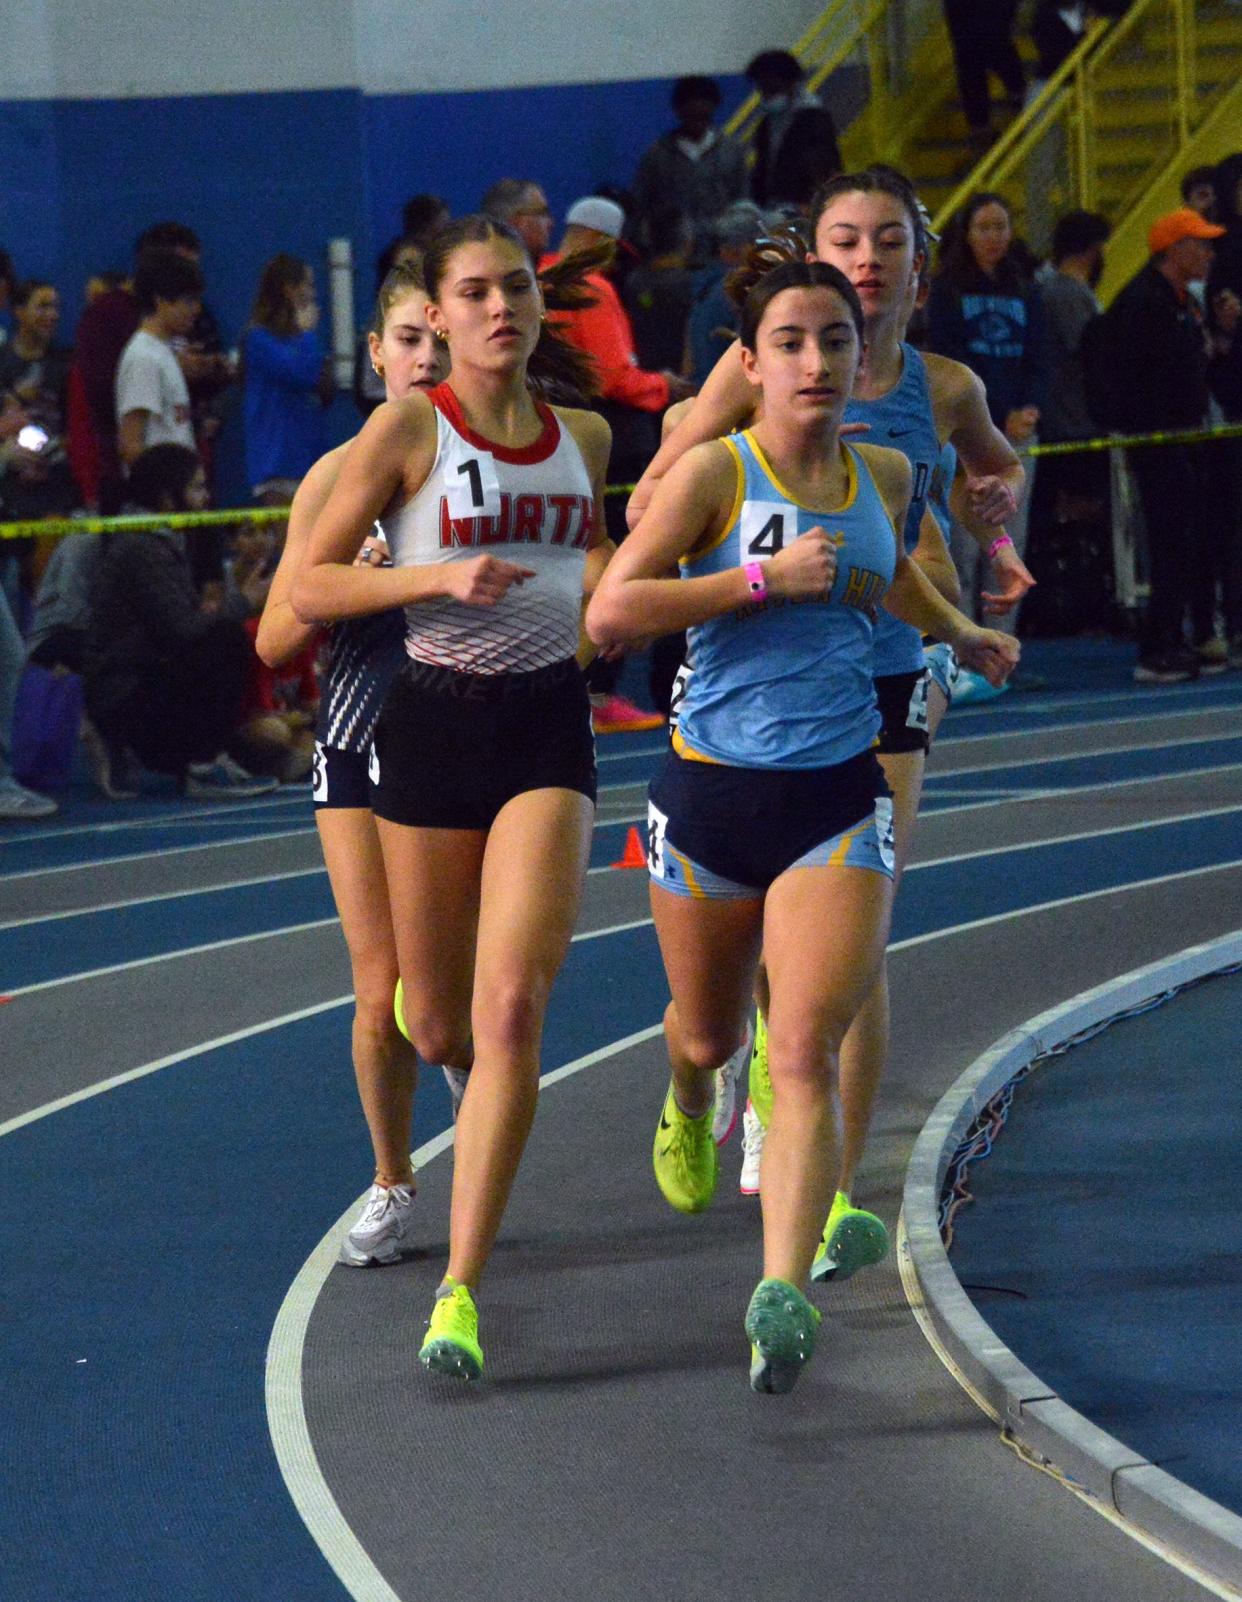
x: 152, y: 400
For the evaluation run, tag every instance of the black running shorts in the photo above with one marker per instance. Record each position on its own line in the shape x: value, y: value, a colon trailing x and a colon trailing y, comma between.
x: 902, y: 699
x: 451, y: 749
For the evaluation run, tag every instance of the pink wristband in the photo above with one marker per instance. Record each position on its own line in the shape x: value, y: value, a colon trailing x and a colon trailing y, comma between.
x: 998, y: 544
x: 755, y: 578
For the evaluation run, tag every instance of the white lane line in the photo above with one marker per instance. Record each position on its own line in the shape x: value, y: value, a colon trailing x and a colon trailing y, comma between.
x: 157, y: 820
x: 71, y: 1100
x: 162, y: 895
x: 1006, y: 763
x: 286, y: 1412
x: 1135, y: 704
x: 1060, y: 792
x: 1025, y: 795
x: 248, y: 939
x: 93, y: 864
x: 1081, y: 834
x: 295, y: 1451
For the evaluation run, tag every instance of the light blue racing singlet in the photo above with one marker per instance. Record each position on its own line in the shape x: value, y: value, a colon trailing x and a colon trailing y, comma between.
x: 904, y: 421
x: 788, y: 684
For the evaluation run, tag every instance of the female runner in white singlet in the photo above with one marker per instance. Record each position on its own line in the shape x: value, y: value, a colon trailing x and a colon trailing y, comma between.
x: 483, y: 774
x: 770, y: 821
x: 365, y: 655
x: 869, y: 226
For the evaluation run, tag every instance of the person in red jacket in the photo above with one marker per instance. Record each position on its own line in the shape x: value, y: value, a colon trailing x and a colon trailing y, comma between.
x: 631, y: 398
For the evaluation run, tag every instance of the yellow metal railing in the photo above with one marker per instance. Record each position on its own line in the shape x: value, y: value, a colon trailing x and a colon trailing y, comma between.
x: 1109, y: 122
x: 889, y: 43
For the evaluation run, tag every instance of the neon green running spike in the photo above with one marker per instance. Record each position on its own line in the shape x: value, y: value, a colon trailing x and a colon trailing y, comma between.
x: 398, y: 1011
x: 782, y: 1327
x: 760, y: 1081
x: 853, y: 1239
x: 684, y: 1157
x: 451, y: 1345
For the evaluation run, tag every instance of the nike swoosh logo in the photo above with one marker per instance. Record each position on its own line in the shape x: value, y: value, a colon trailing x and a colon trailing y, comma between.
x: 899, y: 433
x: 664, y: 1123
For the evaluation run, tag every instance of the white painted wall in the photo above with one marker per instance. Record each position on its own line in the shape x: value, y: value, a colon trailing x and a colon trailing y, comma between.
x: 409, y: 45
x: 103, y: 49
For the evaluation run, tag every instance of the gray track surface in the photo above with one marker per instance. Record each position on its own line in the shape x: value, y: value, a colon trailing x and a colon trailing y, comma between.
x: 615, y: 1450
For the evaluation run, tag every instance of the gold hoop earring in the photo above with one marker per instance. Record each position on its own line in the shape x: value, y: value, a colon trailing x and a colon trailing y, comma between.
x: 377, y: 370
x: 442, y: 335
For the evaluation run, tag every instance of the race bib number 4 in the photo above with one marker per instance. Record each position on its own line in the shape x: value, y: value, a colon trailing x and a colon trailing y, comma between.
x: 762, y: 528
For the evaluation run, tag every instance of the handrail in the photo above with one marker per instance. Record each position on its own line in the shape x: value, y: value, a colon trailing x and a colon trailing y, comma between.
x: 990, y: 167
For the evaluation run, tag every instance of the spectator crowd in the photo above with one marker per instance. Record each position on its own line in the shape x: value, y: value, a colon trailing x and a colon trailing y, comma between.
x: 157, y: 628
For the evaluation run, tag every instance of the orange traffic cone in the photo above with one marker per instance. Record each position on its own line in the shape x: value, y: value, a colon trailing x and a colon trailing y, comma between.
x: 635, y: 853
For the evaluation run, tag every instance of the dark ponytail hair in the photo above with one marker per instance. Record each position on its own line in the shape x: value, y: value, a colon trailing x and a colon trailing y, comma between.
x: 780, y: 248
x: 555, y: 368
x: 796, y: 275
x: 877, y: 180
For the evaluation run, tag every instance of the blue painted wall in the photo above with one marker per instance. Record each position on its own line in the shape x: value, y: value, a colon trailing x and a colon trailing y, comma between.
x: 258, y: 173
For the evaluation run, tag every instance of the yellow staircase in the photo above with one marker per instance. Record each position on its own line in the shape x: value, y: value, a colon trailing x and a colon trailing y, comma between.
x: 1138, y: 103
x: 1136, y: 106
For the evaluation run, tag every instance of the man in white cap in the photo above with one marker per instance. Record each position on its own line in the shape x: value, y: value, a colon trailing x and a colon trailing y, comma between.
x: 629, y: 397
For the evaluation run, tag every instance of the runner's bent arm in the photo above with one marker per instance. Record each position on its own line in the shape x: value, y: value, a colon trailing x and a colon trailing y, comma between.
x: 393, y: 453
x: 282, y: 634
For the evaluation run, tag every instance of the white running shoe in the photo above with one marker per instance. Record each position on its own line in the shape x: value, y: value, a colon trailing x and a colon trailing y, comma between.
x: 380, y: 1235
x: 724, y: 1118
x: 457, y: 1080
x: 752, y: 1151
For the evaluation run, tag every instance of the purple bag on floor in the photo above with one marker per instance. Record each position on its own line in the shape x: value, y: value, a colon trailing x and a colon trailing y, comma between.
x: 45, y: 727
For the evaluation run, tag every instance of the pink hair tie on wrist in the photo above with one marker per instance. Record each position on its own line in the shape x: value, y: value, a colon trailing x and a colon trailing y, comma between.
x: 998, y: 544
x: 758, y: 584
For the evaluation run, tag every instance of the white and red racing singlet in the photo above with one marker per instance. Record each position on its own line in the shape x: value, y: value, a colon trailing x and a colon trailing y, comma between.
x: 532, y: 506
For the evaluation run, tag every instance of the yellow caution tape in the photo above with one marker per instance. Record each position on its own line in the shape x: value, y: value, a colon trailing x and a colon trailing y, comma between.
x: 260, y: 515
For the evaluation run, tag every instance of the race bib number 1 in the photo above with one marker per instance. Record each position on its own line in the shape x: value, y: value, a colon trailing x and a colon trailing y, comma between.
x: 471, y: 486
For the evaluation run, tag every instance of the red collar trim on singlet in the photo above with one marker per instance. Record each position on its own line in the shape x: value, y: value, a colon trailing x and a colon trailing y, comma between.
x: 444, y: 400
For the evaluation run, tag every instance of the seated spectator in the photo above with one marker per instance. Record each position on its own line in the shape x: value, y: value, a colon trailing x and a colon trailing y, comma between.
x: 523, y: 205
x: 288, y: 381
x: 796, y: 141
x: 34, y: 371
x: 694, y: 168
x: 713, y: 322
x: 277, y: 733
x: 17, y: 803
x: 152, y: 397
x: 165, y: 674
x: 659, y: 293
x: 1199, y: 192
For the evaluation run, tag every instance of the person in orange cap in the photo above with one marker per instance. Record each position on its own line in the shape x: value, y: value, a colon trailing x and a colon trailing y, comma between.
x: 1160, y: 354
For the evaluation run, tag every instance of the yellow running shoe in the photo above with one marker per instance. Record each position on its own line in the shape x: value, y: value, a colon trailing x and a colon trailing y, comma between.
x: 684, y: 1157
x: 398, y: 1012
x: 760, y: 1082
x: 451, y: 1345
x: 852, y: 1240
x: 782, y: 1327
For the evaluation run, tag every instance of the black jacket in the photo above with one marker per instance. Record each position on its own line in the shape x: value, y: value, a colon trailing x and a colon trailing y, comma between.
x: 1157, y: 343
x: 806, y: 154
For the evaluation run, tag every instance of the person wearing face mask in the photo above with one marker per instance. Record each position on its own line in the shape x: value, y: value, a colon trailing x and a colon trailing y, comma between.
x: 288, y: 381
x: 796, y: 142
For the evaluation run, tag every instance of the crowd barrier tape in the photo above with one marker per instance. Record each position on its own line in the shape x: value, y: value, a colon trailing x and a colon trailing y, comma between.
x: 257, y: 516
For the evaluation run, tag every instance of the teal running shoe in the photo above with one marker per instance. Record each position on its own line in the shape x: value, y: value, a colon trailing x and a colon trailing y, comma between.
x: 782, y: 1327
x: 853, y: 1239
